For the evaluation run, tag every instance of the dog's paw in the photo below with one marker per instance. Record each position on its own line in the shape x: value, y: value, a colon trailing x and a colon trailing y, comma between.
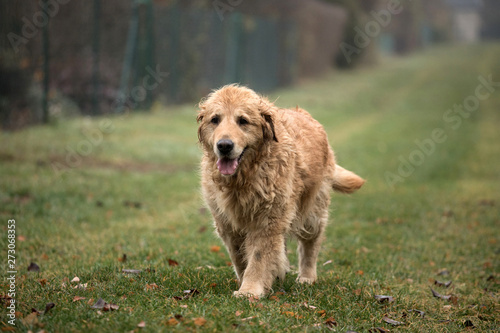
x: 242, y: 294
x: 304, y: 280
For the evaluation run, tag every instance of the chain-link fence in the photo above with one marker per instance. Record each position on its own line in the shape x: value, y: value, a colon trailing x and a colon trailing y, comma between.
x: 62, y: 57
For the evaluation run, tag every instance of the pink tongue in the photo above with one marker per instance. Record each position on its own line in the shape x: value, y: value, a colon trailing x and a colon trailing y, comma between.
x: 227, y: 166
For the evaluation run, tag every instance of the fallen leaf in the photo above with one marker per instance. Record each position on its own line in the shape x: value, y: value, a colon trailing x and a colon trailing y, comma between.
x: 131, y: 271
x: 253, y: 299
x: 48, y: 307
x: 438, y: 295
x: 384, y: 298
x: 331, y: 323
x: 248, y: 318
x: 442, y: 284
x: 308, y: 306
x: 327, y: 262
x: 81, y: 286
x: 45, y: 256
x: 191, y: 293
x: 123, y: 258
x: 172, y: 322
x: 215, y: 248
x: 43, y: 282
x: 288, y: 313
x: 33, y: 267
x: 199, y: 321
x: 152, y: 286
x: 322, y: 313
x: 421, y: 313
x: 360, y: 272
x: 76, y: 279
x: 134, y: 204
x: 21, y: 238
x: 238, y: 313
x: 378, y: 330
x: 172, y: 262
x: 142, y: 324
x: 392, y: 321
x: 99, y: 304
x: 78, y: 298
x: 274, y: 298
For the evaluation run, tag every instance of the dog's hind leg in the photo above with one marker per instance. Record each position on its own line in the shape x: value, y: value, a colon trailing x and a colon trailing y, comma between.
x: 310, y: 238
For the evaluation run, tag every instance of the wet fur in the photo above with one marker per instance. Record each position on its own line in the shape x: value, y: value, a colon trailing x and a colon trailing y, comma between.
x: 282, y: 185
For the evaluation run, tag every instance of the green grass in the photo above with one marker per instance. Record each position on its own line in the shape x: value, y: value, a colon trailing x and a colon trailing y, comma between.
x: 74, y: 220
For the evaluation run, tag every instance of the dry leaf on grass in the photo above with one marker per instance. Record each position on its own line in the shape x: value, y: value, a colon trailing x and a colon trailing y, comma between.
x: 142, y: 324
x: 172, y: 321
x: 78, y: 298
x: 392, y: 321
x: 442, y: 284
x: 76, y: 279
x: 172, y: 262
x: 152, y: 286
x: 104, y: 306
x: 199, y: 321
x: 331, y: 323
x: 33, y: 267
x: 384, y: 298
x: 378, y: 330
x: 308, y: 306
x: 187, y: 294
x: 438, y: 295
x: 419, y: 312
x: 215, y: 248
x: 123, y: 258
x: 131, y: 271
x: 48, y: 307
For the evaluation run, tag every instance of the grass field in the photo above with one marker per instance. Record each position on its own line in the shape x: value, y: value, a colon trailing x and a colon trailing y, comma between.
x: 91, y: 197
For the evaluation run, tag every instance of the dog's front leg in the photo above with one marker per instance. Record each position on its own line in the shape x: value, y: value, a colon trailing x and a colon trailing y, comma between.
x: 266, y: 260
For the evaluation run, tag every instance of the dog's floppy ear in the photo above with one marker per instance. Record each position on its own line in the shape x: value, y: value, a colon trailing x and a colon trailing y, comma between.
x: 199, y: 119
x: 268, y: 125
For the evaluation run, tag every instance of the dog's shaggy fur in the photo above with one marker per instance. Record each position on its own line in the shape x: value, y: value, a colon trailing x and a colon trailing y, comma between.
x: 266, y: 172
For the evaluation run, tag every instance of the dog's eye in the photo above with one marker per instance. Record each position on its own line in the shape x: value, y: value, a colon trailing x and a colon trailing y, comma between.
x: 215, y: 120
x: 242, y: 121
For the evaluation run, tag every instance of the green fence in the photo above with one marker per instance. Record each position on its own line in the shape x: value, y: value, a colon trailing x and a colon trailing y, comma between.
x: 112, y: 56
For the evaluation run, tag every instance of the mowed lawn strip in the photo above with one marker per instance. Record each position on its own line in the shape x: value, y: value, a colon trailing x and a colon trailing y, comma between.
x: 132, y: 202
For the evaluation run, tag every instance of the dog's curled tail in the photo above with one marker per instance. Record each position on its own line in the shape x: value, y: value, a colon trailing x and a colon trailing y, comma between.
x: 345, y: 181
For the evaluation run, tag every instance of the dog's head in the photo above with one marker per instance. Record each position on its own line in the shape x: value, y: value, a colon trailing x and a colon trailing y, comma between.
x: 234, y: 121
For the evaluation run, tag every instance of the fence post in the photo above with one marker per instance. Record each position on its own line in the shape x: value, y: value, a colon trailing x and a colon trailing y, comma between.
x: 46, y: 66
x: 129, y: 57
x: 95, y: 55
x: 150, y: 46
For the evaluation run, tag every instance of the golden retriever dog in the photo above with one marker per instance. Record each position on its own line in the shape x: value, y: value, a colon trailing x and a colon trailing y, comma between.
x: 266, y: 173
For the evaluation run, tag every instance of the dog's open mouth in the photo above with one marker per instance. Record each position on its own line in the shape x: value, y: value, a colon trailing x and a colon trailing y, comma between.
x: 228, y: 166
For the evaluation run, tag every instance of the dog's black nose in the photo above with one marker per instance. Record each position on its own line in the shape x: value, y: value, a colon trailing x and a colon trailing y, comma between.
x: 225, y: 146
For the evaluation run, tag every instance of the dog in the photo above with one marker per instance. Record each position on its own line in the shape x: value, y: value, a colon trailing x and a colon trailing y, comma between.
x: 266, y: 173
